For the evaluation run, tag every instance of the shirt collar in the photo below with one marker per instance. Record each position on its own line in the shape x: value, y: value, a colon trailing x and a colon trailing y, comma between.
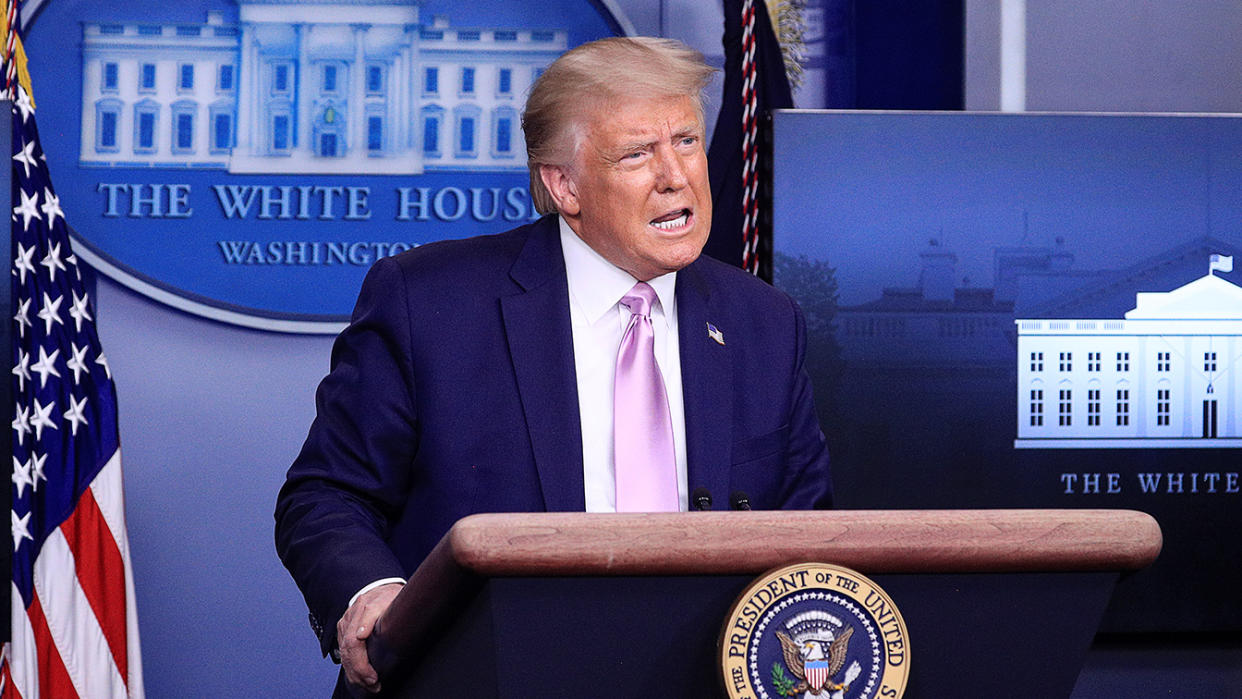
x: 596, y: 285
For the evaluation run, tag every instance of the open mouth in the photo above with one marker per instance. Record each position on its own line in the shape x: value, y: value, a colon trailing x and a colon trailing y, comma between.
x: 672, y: 220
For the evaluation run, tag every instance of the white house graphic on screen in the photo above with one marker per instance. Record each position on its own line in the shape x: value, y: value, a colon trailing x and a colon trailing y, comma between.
x: 1165, y: 376
x: 342, y: 86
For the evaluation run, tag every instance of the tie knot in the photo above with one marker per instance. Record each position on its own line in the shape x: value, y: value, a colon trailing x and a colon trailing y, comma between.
x: 639, y: 299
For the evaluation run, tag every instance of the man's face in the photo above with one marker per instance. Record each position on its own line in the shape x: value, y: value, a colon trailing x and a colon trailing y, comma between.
x: 637, y: 191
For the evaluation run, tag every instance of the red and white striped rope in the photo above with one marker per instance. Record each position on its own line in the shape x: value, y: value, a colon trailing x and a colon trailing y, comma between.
x: 10, y: 52
x: 750, y: 146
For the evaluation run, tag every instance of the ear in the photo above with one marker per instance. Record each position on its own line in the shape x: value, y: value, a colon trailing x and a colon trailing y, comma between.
x: 562, y: 188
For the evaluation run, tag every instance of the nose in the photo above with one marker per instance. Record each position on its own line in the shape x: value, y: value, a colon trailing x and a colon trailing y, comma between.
x: 671, y: 171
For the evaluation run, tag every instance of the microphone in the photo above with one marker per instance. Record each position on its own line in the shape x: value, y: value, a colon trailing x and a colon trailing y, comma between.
x: 739, y: 500
x: 700, y: 499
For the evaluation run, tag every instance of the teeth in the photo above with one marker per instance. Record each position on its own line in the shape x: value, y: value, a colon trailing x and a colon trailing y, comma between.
x: 670, y: 225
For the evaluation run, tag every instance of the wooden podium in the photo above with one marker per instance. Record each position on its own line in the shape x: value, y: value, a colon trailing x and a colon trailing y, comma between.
x: 998, y: 603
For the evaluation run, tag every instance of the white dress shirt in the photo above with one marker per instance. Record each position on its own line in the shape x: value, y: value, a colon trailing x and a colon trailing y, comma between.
x: 598, y: 321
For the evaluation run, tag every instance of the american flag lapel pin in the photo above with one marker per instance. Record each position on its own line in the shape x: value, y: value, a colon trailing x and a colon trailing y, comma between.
x: 714, y: 333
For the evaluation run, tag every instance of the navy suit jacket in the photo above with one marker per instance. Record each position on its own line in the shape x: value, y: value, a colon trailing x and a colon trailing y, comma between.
x: 453, y: 392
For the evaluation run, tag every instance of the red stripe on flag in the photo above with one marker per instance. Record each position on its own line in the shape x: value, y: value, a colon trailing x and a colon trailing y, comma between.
x: 10, y: 689
x: 54, y: 680
x: 101, y: 574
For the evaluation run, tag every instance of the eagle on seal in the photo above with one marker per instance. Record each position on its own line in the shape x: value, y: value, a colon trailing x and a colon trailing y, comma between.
x: 797, y: 657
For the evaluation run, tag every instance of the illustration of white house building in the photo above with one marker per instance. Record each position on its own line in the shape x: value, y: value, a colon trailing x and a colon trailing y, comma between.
x: 1165, y: 376
x: 309, y: 87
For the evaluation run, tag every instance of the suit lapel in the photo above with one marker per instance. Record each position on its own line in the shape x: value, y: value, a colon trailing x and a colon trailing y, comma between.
x: 541, y: 347
x: 706, y: 386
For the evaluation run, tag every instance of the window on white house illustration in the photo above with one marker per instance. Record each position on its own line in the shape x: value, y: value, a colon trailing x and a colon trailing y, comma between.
x: 146, y: 77
x: 375, y: 133
x: 1209, y: 362
x: 1123, y: 407
x: 467, y: 81
x: 327, y: 145
x: 431, y: 135
x: 111, y: 77
x: 185, y: 79
x: 1093, y: 407
x: 1162, y: 407
x: 280, y: 132
x: 466, y: 119
x: 504, y: 134
x: 107, y: 130
x: 107, y: 119
x: 185, y: 132
x: 145, y: 116
x: 1123, y: 361
x: 504, y: 85
x: 375, y: 80
x: 1037, y: 408
x: 431, y: 80
x: 465, y: 143
x: 1093, y: 361
x: 224, y: 80
x: 221, y: 131
x: 1162, y: 361
x: 329, y: 78
x: 1065, y: 410
x: 1037, y: 361
x: 280, y: 78
x: 1067, y: 361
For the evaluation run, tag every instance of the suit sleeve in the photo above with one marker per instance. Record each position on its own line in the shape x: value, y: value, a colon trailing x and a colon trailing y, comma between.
x: 808, y: 482
x: 348, y: 484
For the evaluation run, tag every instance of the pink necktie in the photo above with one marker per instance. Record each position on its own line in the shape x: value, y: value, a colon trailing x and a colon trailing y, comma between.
x: 642, y: 426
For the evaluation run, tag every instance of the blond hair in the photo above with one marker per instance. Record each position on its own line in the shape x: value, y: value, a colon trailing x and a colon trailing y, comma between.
x: 630, y: 67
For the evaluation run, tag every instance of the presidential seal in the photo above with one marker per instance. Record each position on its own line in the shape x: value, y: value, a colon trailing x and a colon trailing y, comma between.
x: 814, y: 631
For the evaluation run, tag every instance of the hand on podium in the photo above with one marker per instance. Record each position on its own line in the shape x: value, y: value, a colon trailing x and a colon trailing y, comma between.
x: 353, y: 630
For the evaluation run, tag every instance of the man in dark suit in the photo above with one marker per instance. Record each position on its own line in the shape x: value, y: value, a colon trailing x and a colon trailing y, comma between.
x: 491, y: 374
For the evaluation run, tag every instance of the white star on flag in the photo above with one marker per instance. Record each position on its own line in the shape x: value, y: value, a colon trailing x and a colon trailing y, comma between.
x: 77, y: 362
x: 22, y: 369
x: 102, y: 361
x: 40, y: 417
x: 26, y: 157
x: 21, y: 529
x: 24, y: 261
x: 21, y: 423
x: 52, y: 261
x: 51, y: 207
x: 50, y: 313
x: 23, y: 103
x: 46, y: 365
x: 23, y: 317
x: 36, y: 469
x: 79, y: 310
x: 21, y: 476
x: 28, y: 209
x: 74, y: 414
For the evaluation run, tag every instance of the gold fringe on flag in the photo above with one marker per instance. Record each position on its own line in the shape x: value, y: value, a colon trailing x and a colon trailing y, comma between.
x: 789, y: 24
x: 18, y: 51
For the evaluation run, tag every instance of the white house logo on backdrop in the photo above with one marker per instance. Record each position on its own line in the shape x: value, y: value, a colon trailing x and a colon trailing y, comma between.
x: 302, y: 88
x: 1165, y: 376
x: 248, y: 160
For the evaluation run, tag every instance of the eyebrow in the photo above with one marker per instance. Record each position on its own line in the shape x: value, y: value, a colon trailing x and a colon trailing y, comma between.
x: 637, y: 144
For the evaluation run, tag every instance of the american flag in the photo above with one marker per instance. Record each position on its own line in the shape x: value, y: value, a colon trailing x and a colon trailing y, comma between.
x: 74, y: 628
